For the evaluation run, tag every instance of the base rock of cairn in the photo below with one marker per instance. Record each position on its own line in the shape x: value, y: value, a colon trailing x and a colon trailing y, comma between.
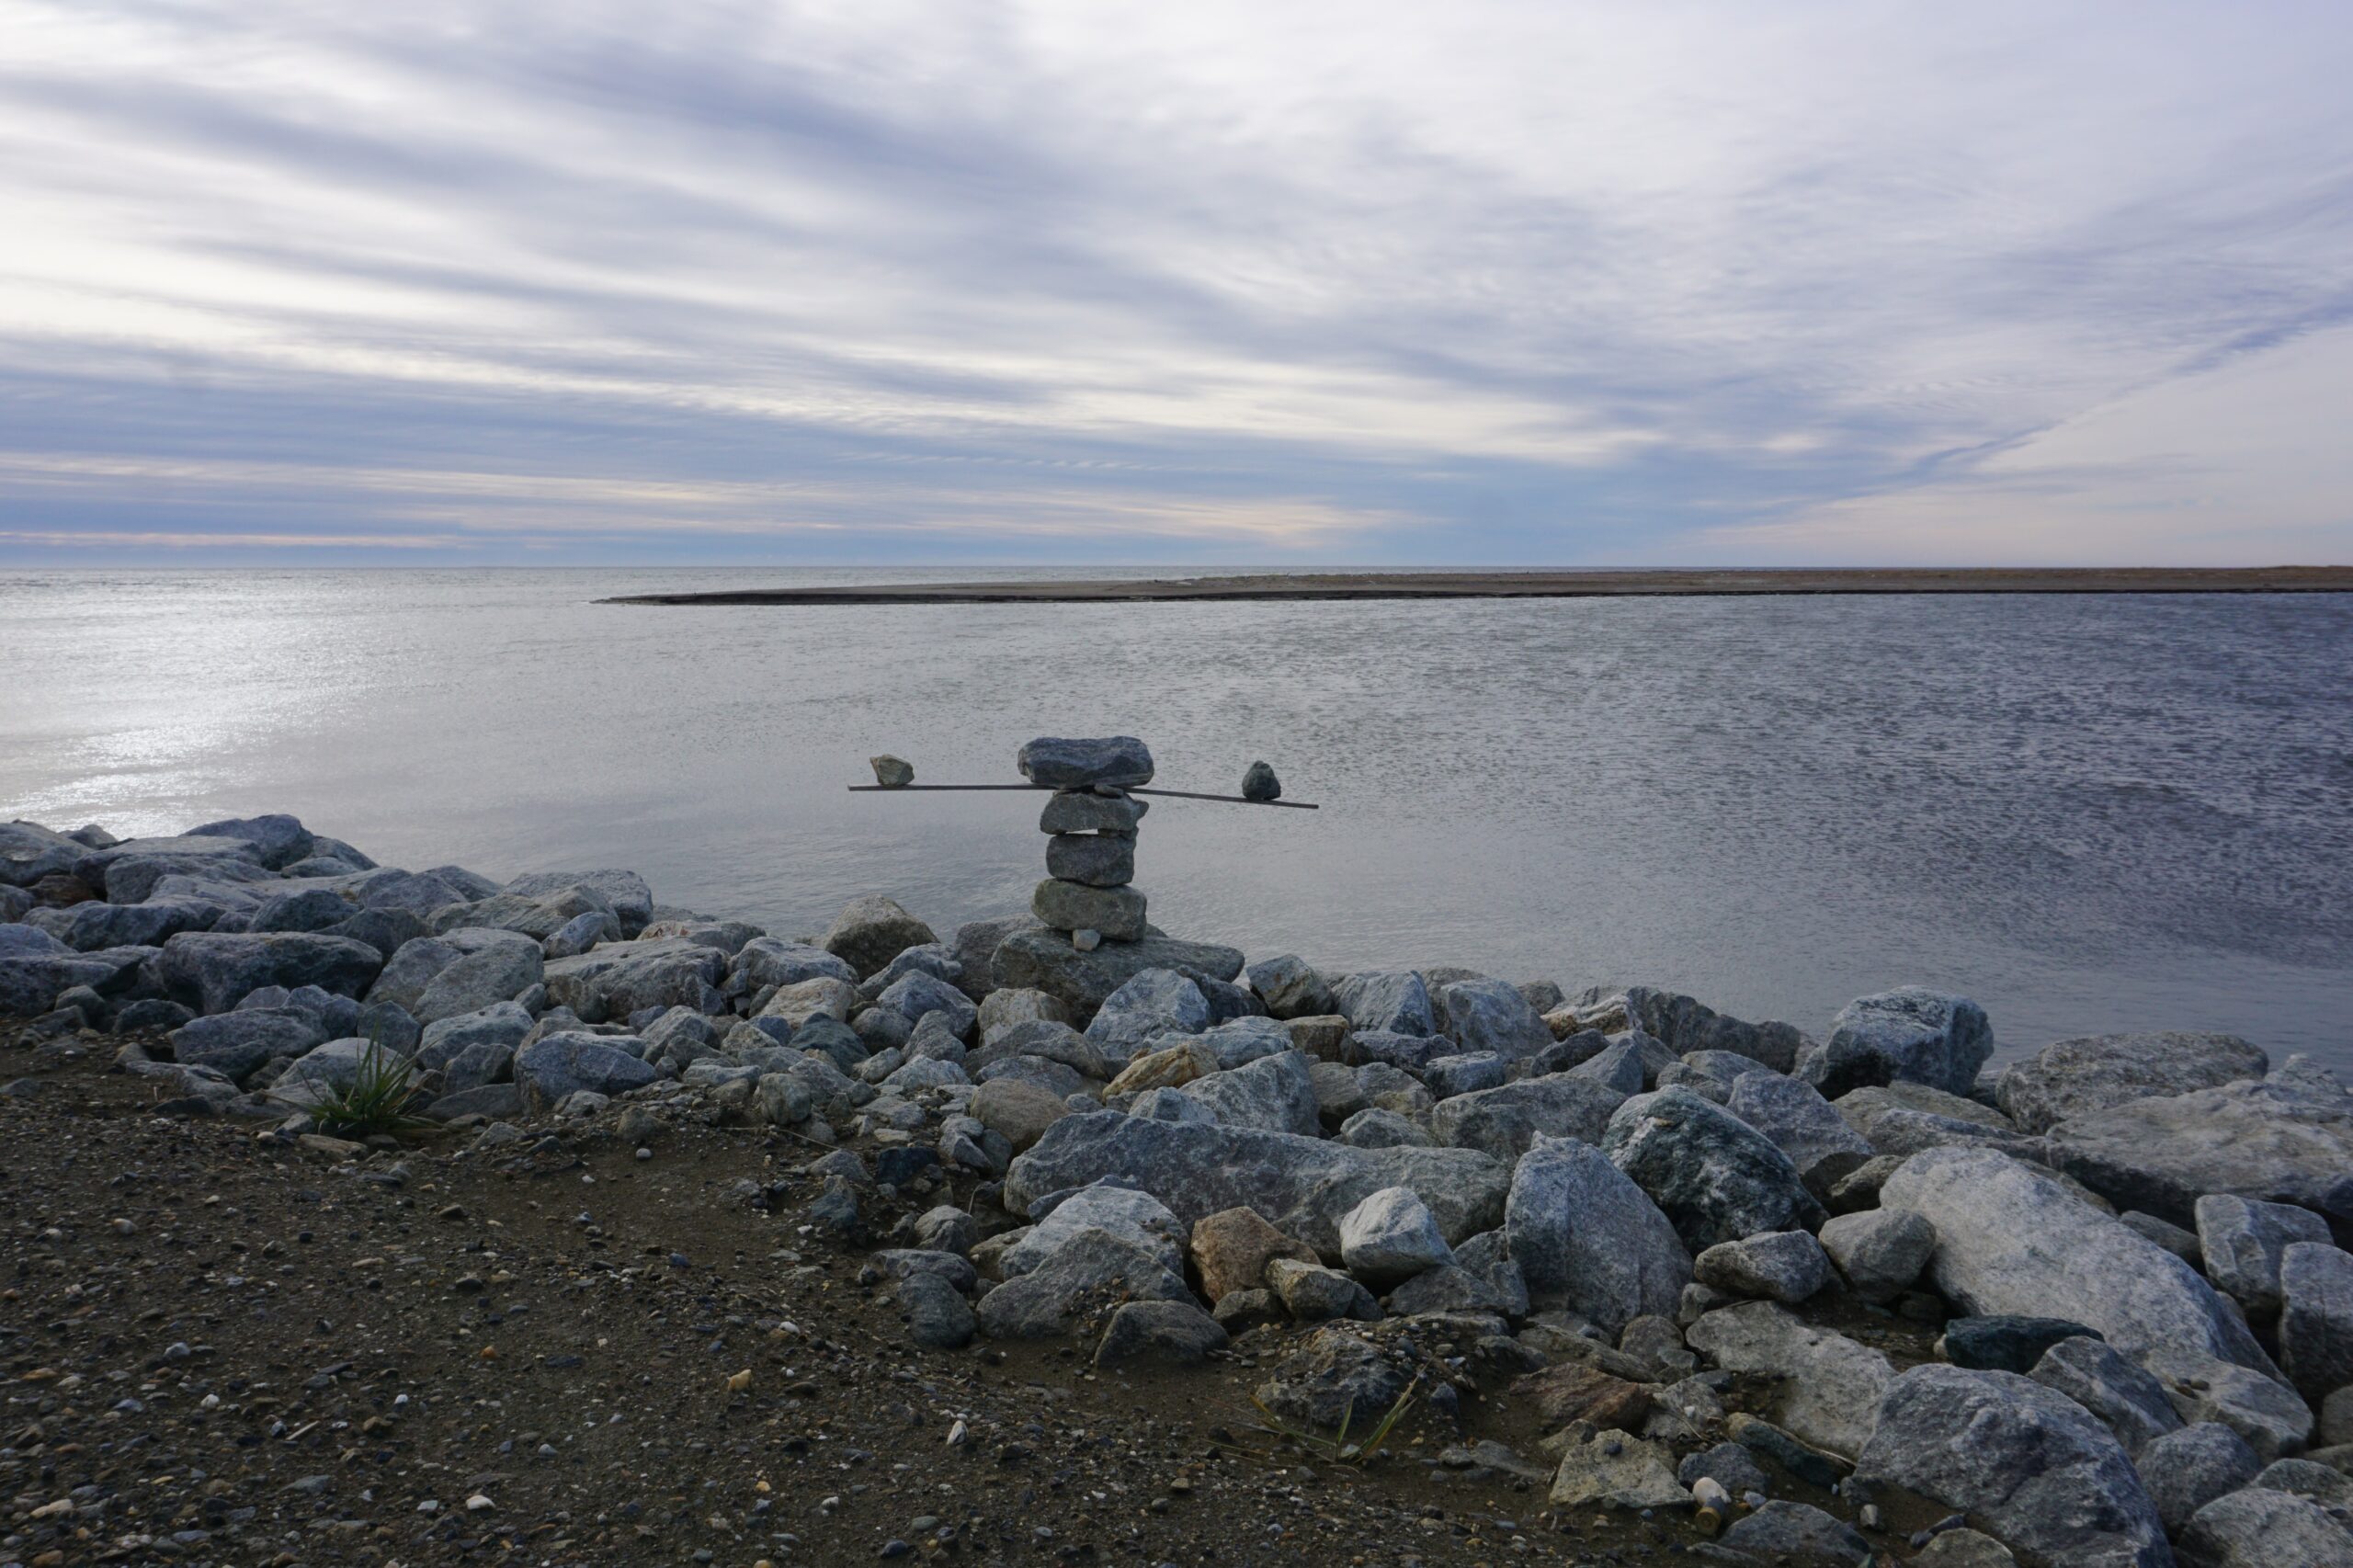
x: 1091, y: 858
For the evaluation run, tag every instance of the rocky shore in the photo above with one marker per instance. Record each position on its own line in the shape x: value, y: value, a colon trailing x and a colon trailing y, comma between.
x: 1646, y: 1279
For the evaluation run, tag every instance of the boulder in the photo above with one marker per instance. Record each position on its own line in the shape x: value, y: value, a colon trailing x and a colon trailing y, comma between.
x: 1303, y: 1184
x: 1394, y: 1003
x: 1044, y: 959
x: 329, y: 1070
x: 2077, y: 1078
x: 1116, y: 913
x: 237, y: 1044
x: 2240, y: 1241
x: 212, y: 971
x: 1174, y: 1334
x: 1611, y: 1469
x: 1093, y: 1271
x: 1390, y: 1237
x: 2028, y: 1463
x: 2010, y: 1241
x: 1337, y: 1378
x: 1827, y: 1388
x: 1231, y: 1248
x: 1587, y: 1237
x: 1715, y: 1177
x: 1239, y: 1041
x: 1291, y: 989
x: 88, y: 927
x: 1073, y: 811
x: 2277, y: 1141
x: 1491, y: 1015
x: 1685, y: 1026
x: 1910, y: 1035
x: 1881, y: 1251
x: 1506, y: 1122
x: 1054, y: 762
x: 1801, y: 1124
x: 2129, y: 1400
x: 620, y: 978
x: 1376, y: 1128
x: 2183, y: 1470
x: 412, y: 968
x: 277, y: 840
x: 1448, y: 1077
x: 1576, y: 1389
x: 1274, y: 1094
x: 1020, y: 1112
x: 771, y: 960
x: 2005, y: 1343
x: 1312, y: 1293
x: 624, y: 893
x: 557, y: 1065
x: 918, y: 995
x: 873, y: 930
x: 1153, y: 1003
x: 2317, y: 1318
x: 2258, y: 1528
x: 804, y: 1002
x: 499, y: 972
x: 1798, y: 1533
x: 29, y: 852
x: 502, y: 1026
x: 1137, y: 1217
x: 1091, y: 859
x: 1004, y: 1010
x: 1777, y: 1266
x: 2265, y: 1412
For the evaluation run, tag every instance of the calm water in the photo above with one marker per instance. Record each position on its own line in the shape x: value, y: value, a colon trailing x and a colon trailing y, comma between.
x: 2089, y: 813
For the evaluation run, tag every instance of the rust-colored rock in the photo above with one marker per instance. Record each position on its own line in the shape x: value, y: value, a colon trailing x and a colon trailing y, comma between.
x: 1231, y: 1249
x: 1170, y: 1069
x: 1577, y: 1390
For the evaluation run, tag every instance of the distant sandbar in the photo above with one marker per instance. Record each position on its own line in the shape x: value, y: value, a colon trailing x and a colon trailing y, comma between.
x: 1586, y: 583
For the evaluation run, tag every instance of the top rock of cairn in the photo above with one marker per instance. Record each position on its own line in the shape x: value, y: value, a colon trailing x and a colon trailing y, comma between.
x: 1121, y: 761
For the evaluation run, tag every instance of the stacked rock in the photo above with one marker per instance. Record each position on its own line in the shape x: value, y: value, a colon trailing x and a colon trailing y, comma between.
x: 1091, y: 858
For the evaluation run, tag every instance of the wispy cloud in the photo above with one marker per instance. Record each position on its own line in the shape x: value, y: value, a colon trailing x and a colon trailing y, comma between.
x: 1492, y: 281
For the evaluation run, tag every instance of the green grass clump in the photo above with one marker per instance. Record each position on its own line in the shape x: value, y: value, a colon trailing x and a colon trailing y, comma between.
x: 376, y: 1100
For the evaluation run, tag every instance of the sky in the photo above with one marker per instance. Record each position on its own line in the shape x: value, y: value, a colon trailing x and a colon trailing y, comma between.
x: 1273, y: 282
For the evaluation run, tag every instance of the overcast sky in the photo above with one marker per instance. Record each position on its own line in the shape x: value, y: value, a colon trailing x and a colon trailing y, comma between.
x: 1223, y: 280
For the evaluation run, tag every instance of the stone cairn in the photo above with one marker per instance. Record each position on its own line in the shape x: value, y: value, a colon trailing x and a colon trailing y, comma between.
x: 1091, y: 857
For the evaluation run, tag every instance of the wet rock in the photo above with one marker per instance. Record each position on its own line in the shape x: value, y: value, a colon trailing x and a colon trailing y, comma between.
x: 2258, y: 1528
x: 2185, y: 1470
x: 1303, y: 1184
x: 1585, y: 1236
x: 1715, y: 1177
x: 1176, y: 1334
x: 1337, y: 1378
x: 1881, y: 1251
x: 1776, y: 1266
x: 214, y: 971
x: 1612, y: 1470
x: 1390, y: 1237
x: 1291, y: 989
x: 2028, y: 1462
x: 2241, y: 1240
x: 2281, y: 1142
x: 2006, y: 1344
x: 1056, y: 763
x: 1910, y: 1035
x: 1092, y: 1271
x: 2077, y: 1078
x: 2317, y: 1318
x: 1393, y: 1003
x: 1801, y: 1124
x: 1312, y: 1293
x: 1794, y: 1533
x: 2011, y: 1242
x: 557, y: 1065
x: 1829, y: 1386
x: 1274, y: 1094
x: 873, y: 930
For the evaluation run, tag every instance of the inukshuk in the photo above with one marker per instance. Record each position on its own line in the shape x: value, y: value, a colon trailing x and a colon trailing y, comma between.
x: 1091, y: 858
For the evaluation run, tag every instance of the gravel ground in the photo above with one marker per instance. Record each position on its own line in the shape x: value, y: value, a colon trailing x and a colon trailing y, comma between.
x: 224, y: 1347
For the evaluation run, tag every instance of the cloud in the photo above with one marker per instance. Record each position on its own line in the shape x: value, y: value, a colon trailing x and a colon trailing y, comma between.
x: 1076, y: 278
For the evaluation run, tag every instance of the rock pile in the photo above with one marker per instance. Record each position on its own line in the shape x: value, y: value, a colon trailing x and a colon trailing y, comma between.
x: 2093, y: 1305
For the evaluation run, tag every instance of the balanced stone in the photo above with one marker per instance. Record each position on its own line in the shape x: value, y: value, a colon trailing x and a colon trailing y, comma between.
x: 1083, y: 811
x: 892, y: 772
x: 1096, y: 860
x: 1259, y: 783
x: 1116, y: 912
x: 1122, y: 761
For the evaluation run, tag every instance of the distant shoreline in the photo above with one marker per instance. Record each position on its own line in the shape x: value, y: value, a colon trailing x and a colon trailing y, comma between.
x: 1586, y: 583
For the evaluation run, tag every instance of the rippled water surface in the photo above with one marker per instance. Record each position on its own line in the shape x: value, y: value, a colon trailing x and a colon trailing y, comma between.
x: 2091, y: 813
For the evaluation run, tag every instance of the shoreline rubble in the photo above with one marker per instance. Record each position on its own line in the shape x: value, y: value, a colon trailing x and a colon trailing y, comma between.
x: 1733, y: 1266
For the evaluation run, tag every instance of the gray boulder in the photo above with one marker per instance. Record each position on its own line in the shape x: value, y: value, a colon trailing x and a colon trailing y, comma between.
x: 1467, y: 1074
x: 1394, y: 1003
x: 918, y: 995
x: 2284, y: 1142
x: 2128, y: 1399
x: 873, y: 930
x: 1312, y: 1293
x: 1685, y: 1026
x: 1072, y: 811
x: 582, y: 933
x: 2270, y: 1414
x: 1291, y: 989
x: 624, y: 891
x: 301, y: 909
x: 1137, y: 1217
x: 277, y: 840
x: 1116, y: 913
x: 2259, y: 1528
x: 29, y: 852
x: 771, y: 960
x: 1043, y: 960
x: 1094, y: 859
x: 1800, y: 1123
x: 2317, y: 1318
x: 1376, y: 1128
x: 212, y: 971
x: 1507, y: 1120
x: 2077, y: 1077
x: 88, y: 927
x: 1092, y: 1272
x: 624, y: 978
x: 2185, y: 1470
x: 2025, y: 1461
x: 410, y: 969
x: 1274, y: 1094
x: 238, y: 1044
x: 1390, y: 1237
x: 1174, y: 1333
x: 1825, y: 1388
x: 494, y: 1034
x: 1715, y: 1177
x: 1337, y: 1377
x: 1777, y: 1265
x: 2241, y: 1239
x: 1798, y: 1533
x: 1881, y: 1251
x: 1910, y: 1035
x: 1587, y: 1237
x: 1491, y: 1015
x: 2011, y: 1242
x: 499, y: 972
x: 557, y: 1065
x: 1152, y: 1004
x: 1303, y: 1184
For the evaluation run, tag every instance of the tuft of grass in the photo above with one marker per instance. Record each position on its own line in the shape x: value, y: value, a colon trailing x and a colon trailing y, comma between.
x: 376, y: 1100
x: 1337, y: 1449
